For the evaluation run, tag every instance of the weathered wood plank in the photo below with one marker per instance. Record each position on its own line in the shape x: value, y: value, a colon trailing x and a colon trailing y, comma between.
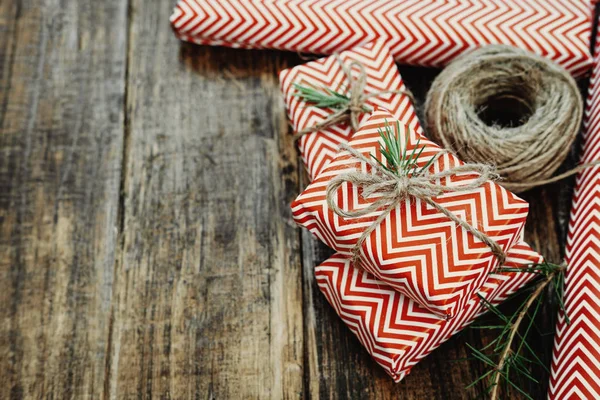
x: 209, y: 293
x: 337, y: 366
x: 62, y: 79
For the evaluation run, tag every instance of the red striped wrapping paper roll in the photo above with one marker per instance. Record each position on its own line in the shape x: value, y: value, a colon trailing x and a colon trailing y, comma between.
x: 395, y: 330
x: 416, y: 249
x: 575, y: 372
x: 318, y: 148
x: 419, y: 32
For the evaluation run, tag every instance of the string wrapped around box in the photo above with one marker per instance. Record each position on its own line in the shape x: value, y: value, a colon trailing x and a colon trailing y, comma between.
x: 433, y: 229
x: 397, y: 324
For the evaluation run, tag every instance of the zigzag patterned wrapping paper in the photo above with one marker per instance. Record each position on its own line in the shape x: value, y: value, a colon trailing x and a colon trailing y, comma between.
x: 575, y: 372
x: 394, y: 329
x: 318, y: 148
x: 416, y: 250
x: 418, y: 32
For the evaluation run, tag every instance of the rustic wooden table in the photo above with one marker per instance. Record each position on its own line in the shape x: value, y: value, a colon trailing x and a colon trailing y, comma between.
x: 147, y: 247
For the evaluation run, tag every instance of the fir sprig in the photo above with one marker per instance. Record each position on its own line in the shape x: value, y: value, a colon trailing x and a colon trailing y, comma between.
x: 505, y: 355
x: 322, y: 98
x: 399, y: 161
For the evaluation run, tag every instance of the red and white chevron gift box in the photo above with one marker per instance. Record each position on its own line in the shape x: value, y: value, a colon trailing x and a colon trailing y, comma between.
x: 575, y: 372
x: 416, y: 249
x: 418, y: 32
x: 395, y: 330
x: 318, y: 148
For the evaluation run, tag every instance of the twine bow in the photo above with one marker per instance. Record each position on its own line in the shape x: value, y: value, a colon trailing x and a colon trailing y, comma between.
x: 356, y: 105
x: 392, y: 188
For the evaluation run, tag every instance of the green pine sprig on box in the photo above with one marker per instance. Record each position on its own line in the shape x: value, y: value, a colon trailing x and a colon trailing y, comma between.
x: 399, y: 161
x: 323, y: 97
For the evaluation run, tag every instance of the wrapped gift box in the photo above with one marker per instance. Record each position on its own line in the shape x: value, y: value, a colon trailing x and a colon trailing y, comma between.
x: 318, y: 148
x: 395, y: 330
x: 576, y: 358
x: 416, y: 249
x: 418, y: 32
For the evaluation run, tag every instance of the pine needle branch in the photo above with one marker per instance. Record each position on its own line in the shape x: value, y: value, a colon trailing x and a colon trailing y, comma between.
x: 323, y: 97
x: 508, y: 347
x: 399, y: 161
x: 504, y: 356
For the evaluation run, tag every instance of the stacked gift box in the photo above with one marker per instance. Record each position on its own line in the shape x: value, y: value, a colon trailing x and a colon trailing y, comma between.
x: 421, y: 276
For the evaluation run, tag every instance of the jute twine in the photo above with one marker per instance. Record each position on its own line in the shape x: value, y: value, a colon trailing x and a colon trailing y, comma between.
x: 392, y: 188
x: 526, y: 155
x: 357, y: 105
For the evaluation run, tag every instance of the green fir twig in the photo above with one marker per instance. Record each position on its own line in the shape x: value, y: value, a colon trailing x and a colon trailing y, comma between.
x: 322, y: 98
x: 398, y: 160
x: 505, y: 356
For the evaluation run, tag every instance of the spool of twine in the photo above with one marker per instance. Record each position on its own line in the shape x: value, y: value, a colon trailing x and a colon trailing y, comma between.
x: 506, y: 107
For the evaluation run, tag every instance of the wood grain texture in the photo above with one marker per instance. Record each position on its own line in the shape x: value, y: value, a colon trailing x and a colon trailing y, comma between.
x: 62, y: 81
x: 208, y: 289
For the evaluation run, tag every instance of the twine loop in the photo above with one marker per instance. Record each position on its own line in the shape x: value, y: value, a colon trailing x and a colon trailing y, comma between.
x: 392, y: 188
x: 540, y: 98
x: 357, y: 105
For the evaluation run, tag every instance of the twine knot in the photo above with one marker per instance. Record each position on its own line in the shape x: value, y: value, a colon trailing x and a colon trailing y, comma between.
x: 391, y: 188
x: 402, y: 188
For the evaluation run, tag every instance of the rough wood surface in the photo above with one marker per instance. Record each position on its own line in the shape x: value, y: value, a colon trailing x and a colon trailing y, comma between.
x: 62, y: 79
x: 147, y: 248
x: 208, y: 288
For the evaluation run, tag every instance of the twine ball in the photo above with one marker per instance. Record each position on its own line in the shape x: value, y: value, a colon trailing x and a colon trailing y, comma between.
x: 506, y: 107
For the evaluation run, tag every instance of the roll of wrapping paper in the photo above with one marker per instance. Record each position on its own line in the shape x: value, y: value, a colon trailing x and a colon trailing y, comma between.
x: 418, y: 32
x: 575, y: 369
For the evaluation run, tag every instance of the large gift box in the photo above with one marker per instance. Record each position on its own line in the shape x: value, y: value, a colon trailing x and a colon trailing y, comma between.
x: 394, y: 329
x: 418, y: 32
x: 576, y: 357
x: 382, y: 76
x: 415, y: 248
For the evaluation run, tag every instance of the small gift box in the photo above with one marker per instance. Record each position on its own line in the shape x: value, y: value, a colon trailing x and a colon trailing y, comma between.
x: 395, y: 330
x: 418, y: 32
x: 433, y: 229
x: 383, y: 87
